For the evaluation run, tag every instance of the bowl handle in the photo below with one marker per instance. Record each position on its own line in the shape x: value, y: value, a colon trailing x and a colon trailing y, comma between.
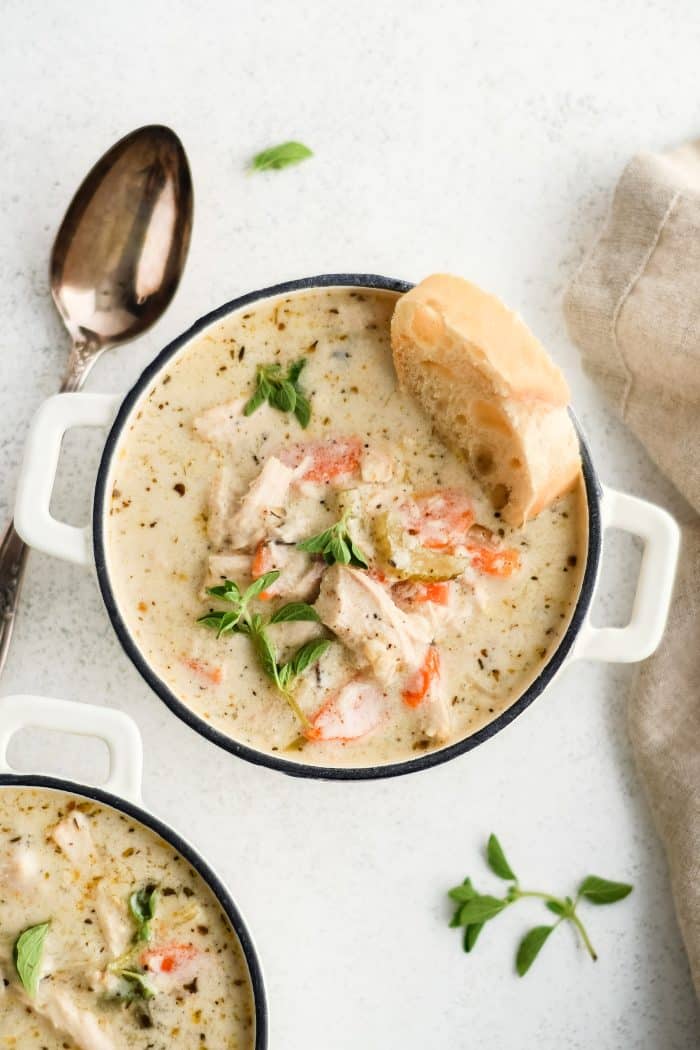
x: 33, y: 519
x: 652, y: 599
x: 116, y: 729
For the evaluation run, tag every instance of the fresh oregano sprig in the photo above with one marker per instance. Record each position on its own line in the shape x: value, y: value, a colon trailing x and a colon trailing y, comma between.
x: 242, y: 620
x: 335, y: 545
x: 473, y: 909
x: 281, y: 391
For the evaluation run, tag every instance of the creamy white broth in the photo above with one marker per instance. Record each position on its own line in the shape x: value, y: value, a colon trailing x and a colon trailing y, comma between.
x: 75, y: 863
x: 158, y: 541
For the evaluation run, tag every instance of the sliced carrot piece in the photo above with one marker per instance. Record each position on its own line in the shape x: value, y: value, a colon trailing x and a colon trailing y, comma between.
x: 327, y: 460
x: 419, y: 683
x: 417, y: 592
x: 494, y: 562
x: 211, y: 672
x: 355, y: 710
x: 262, y: 562
x: 168, y: 958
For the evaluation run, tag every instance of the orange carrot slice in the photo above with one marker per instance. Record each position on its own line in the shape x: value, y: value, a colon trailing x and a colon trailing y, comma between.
x: 494, y: 562
x: 419, y: 683
x: 211, y: 672
x: 262, y: 562
x: 417, y: 592
x: 328, y: 461
x: 168, y: 957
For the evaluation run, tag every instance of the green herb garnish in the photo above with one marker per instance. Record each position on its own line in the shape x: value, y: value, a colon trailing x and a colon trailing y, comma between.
x: 281, y: 391
x: 142, y: 905
x: 242, y: 620
x: 280, y: 156
x: 134, y: 985
x: 28, y: 953
x: 474, y: 909
x: 335, y: 545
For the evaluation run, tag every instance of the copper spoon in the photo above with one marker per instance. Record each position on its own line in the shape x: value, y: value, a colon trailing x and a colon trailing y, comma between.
x: 115, y: 266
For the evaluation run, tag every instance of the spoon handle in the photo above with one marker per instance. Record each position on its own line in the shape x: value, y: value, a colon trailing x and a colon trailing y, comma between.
x: 13, y: 550
x: 13, y: 558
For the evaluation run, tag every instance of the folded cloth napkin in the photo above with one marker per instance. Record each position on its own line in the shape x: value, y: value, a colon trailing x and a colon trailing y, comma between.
x: 633, y: 309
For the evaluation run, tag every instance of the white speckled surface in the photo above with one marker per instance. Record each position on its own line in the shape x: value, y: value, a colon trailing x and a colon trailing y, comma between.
x: 483, y: 139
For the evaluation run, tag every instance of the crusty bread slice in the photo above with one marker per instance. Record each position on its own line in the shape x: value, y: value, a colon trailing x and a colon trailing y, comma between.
x: 491, y: 391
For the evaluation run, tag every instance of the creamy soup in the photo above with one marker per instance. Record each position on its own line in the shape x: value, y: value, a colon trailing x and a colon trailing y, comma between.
x: 137, y: 951
x: 437, y: 615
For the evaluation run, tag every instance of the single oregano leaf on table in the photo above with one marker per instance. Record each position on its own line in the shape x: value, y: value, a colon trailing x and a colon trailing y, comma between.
x: 277, y: 157
x: 530, y: 947
x: 473, y: 910
x: 497, y: 860
x: 28, y: 953
x: 603, y: 891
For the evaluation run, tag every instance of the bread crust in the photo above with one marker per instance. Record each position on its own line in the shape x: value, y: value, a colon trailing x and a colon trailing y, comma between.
x: 491, y: 391
x: 454, y: 319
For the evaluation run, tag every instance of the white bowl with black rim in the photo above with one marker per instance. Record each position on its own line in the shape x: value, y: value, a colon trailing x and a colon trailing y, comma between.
x: 121, y: 791
x: 606, y: 509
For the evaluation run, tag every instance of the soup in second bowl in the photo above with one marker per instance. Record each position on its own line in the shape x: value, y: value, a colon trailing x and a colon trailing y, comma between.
x: 108, y: 938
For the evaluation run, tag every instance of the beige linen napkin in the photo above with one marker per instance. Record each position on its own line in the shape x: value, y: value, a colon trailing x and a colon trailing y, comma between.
x: 634, y: 311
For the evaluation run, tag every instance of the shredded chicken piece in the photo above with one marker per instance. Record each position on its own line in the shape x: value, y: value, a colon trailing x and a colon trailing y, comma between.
x: 221, y: 425
x: 360, y: 611
x: 357, y: 709
x: 218, y: 506
x: 115, y: 926
x: 222, y: 567
x: 262, y: 506
x: 81, y: 1026
x: 377, y: 465
x: 300, y: 574
x: 19, y: 869
x: 73, y: 837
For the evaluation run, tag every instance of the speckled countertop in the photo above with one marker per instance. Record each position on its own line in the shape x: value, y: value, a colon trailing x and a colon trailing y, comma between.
x: 483, y: 139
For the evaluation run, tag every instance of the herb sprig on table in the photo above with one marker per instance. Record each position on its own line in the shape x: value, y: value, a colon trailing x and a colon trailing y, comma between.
x: 281, y: 391
x: 28, y: 953
x: 335, y: 545
x: 241, y: 619
x: 474, y: 909
x: 281, y: 156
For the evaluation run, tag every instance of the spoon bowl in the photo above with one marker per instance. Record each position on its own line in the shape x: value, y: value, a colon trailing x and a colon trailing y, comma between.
x: 121, y: 249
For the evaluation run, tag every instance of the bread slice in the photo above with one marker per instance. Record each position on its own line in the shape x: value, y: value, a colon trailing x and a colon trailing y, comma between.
x: 491, y: 391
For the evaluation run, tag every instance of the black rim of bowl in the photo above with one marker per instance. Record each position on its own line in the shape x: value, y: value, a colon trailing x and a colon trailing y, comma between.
x: 222, y: 895
x: 262, y: 758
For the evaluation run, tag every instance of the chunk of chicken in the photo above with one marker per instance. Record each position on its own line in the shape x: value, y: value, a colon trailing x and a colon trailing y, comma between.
x: 300, y: 574
x: 262, y: 506
x: 425, y: 692
x: 68, y: 1019
x: 72, y: 836
x: 222, y: 424
x: 218, y: 506
x: 222, y: 567
x: 377, y: 464
x: 115, y: 926
x: 357, y: 709
x: 19, y: 869
x: 360, y: 611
